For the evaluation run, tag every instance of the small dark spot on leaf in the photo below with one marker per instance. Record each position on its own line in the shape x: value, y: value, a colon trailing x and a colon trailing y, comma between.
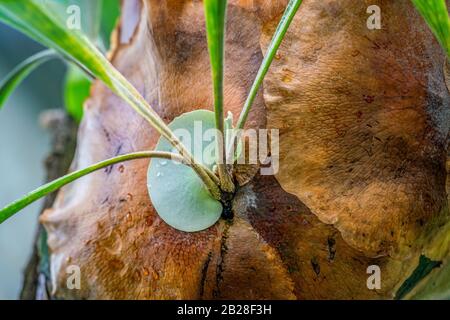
x: 355, y: 53
x: 116, y: 264
x: 119, y: 148
x: 109, y: 169
x: 359, y: 114
x: 331, y: 248
x: 368, y: 98
x: 148, y: 221
x: 315, y: 265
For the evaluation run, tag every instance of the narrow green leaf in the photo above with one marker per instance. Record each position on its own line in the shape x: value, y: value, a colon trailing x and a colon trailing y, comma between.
x: 76, y: 90
x: 215, y: 14
x: 50, y: 187
x: 436, y: 15
x: 277, y: 38
x: 16, y: 76
x: 31, y: 18
x: 177, y: 194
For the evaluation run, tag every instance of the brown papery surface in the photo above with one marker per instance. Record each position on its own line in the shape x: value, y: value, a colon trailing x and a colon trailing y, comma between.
x: 363, y: 118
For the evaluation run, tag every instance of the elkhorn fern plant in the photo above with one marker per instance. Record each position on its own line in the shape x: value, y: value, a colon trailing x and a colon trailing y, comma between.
x: 208, y: 191
x: 340, y: 204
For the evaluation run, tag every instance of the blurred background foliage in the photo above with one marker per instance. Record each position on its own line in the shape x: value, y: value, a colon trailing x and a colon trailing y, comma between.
x: 53, y: 85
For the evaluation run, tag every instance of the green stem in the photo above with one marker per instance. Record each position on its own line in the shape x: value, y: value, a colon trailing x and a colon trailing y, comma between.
x: 50, y: 187
x: 215, y: 14
x: 277, y: 38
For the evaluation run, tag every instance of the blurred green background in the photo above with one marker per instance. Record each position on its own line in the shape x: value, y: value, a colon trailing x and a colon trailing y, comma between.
x: 23, y: 142
x: 24, y: 145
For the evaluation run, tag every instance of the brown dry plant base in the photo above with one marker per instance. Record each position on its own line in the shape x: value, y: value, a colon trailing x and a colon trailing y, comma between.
x: 364, y: 121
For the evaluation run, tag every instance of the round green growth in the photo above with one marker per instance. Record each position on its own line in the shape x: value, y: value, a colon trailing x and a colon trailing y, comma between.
x: 177, y: 193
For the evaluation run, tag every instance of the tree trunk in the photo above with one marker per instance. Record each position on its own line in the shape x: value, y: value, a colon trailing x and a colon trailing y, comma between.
x: 364, y: 124
x: 63, y: 132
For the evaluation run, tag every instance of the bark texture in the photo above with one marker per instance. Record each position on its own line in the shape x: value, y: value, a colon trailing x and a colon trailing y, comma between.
x: 63, y: 130
x: 364, y: 123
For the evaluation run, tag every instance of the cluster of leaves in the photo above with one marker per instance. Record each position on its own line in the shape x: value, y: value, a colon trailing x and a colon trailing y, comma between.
x: 197, y: 189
